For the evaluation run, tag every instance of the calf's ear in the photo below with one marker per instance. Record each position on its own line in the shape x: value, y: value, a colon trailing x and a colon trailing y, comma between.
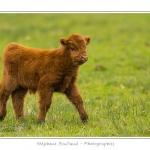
x: 87, y: 39
x: 63, y: 41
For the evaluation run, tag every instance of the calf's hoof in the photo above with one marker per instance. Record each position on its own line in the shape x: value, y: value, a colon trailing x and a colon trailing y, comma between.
x: 40, y: 121
x: 2, y: 118
x: 20, y: 119
x: 84, y: 118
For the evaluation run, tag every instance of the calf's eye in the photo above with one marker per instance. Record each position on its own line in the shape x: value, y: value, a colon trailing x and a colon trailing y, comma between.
x: 72, y: 48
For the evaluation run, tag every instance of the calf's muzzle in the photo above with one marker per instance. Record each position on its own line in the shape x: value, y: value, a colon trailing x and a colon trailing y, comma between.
x: 84, y: 58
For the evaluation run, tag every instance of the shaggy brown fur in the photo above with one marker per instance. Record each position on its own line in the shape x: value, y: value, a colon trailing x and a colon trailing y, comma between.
x: 44, y: 71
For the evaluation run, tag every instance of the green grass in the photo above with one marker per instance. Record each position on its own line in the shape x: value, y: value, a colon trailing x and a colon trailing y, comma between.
x: 114, y: 83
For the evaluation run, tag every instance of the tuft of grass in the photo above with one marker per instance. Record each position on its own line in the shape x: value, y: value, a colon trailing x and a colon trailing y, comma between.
x: 114, y: 83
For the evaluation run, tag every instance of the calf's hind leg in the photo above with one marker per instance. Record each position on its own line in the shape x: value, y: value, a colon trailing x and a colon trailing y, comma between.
x: 4, y: 95
x: 18, y: 101
x: 7, y: 85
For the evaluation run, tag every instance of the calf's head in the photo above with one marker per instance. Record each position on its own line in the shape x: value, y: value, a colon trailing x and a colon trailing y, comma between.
x: 75, y: 46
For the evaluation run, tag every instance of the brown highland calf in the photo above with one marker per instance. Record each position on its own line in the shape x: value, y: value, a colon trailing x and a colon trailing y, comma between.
x: 44, y: 71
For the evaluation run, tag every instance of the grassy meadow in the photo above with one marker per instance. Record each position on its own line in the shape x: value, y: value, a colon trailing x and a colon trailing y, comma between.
x: 114, y: 83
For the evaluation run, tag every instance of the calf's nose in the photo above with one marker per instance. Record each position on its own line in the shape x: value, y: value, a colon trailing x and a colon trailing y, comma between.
x: 84, y: 58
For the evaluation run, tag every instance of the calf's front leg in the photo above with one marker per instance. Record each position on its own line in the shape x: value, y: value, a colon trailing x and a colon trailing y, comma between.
x: 44, y: 103
x: 74, y: 96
